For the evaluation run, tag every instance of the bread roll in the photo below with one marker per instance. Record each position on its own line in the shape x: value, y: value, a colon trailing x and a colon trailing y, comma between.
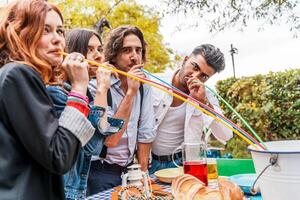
x: 229, y: 188
x: 207, y: 193
x: 182, y: 184
x: 189, y: 187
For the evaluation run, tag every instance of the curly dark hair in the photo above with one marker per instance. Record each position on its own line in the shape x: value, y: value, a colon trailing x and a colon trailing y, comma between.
x: 212, y: 55
x: 114, y: 42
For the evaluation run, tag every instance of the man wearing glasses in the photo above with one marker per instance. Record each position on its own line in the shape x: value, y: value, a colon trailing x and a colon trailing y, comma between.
x: 176, y: 121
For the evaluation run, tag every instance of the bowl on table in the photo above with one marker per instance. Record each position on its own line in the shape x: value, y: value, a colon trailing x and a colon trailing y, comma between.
x: 167, y: 175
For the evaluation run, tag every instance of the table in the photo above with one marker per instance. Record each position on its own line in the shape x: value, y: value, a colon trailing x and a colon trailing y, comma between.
x: 106, y: 195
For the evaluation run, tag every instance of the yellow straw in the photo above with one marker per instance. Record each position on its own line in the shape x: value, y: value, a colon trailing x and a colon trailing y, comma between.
x: 170, y: 93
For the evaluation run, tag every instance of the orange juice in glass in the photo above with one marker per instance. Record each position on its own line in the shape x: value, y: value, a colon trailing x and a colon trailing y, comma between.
x: 212, y: 172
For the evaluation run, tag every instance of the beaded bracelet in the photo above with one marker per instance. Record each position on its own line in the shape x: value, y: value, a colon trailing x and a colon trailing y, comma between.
x: 75, y: 94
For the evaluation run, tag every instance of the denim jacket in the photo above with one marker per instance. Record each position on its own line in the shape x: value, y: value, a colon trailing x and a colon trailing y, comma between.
x: 75, y: 181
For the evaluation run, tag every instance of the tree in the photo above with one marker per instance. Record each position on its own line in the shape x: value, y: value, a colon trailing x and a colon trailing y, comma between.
x: 220, y: 15
x: 86, y: 13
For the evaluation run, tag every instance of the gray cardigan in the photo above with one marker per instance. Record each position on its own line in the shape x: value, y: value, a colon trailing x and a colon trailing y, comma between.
x: 36, y: 147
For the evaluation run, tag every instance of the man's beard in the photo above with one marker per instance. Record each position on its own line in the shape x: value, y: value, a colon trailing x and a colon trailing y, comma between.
x: 182, y: 81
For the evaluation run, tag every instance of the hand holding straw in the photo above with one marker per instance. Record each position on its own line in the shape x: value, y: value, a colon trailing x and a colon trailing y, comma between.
x: 223, y: 100
x: 210, y: 110
x: 167, y: 91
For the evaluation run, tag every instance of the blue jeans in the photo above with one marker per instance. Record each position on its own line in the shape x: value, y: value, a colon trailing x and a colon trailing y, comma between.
x: 102, y: 178
x: 157, y: 165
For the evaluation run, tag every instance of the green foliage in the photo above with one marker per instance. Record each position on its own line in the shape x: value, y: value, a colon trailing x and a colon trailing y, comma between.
x: 86, y: 13
x: 269, y: 103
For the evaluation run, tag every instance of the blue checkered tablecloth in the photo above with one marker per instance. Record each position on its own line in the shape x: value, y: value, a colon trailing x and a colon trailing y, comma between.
x: 105, y: 195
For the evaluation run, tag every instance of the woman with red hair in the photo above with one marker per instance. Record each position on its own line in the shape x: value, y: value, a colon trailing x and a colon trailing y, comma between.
x: 36, y: 146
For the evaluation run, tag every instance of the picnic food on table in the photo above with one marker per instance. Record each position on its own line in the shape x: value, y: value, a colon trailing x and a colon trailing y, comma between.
x: 189, y: 187
x: 230, y: 190
x: 133, y: 192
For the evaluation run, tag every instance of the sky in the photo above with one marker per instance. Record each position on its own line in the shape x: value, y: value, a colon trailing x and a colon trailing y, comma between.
x: 259, y: 52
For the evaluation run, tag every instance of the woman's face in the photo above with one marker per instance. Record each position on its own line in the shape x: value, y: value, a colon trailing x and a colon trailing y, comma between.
x: 95, y: 53
x: 53, y: 39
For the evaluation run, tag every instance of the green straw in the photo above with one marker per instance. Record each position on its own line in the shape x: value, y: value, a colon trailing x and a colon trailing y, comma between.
x: 235, y: 112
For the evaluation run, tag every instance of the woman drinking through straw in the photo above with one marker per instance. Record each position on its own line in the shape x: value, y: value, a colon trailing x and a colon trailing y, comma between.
x: 89, y: 44
x: 37, y: 146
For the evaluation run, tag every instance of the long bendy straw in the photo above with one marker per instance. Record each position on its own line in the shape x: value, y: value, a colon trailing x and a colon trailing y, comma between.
x: 247, y: 135
x: 206, y: 107
x: 237, y: 114
x: 218, y: 96
x: 173, y: 94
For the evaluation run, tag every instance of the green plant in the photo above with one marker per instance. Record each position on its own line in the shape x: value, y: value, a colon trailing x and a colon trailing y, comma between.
x: 269, y: 103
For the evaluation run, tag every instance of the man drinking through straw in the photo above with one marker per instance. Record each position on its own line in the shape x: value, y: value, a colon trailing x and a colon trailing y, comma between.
x: 176, y: 121
x: 125, y: 49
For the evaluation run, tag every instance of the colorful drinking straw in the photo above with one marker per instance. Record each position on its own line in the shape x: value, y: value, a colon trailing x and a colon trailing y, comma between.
x: 211, y: 111
x: 218, y: 96
x: 173, y: 94
x: 237, y: 114
x: 203, y: 105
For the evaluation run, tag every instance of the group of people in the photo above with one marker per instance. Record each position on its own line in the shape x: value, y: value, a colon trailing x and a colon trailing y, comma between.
x: 70, y: 129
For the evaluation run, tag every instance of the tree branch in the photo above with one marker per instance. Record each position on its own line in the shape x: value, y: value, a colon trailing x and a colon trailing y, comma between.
x: 113, y: 6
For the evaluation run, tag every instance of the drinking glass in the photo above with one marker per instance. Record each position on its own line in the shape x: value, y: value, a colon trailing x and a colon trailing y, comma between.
x: 212, y: 172
x: 194, y: 160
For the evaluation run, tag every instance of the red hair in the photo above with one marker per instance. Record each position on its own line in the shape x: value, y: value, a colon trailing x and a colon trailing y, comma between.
x: 21, y: 28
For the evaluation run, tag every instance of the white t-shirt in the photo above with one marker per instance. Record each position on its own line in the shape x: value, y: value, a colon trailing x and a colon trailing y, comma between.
x: 170, y: 133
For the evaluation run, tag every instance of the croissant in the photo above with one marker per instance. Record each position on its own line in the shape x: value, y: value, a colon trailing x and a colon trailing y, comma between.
x: 189, y: 187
